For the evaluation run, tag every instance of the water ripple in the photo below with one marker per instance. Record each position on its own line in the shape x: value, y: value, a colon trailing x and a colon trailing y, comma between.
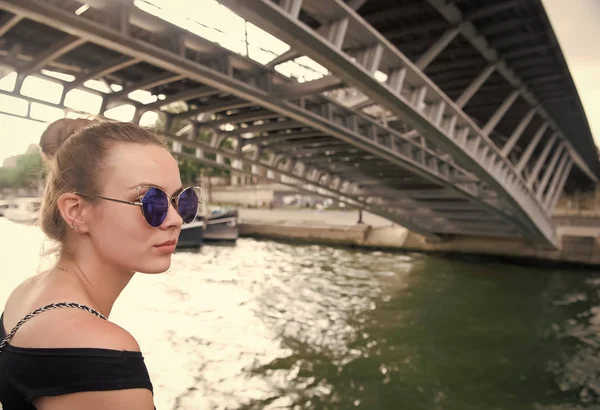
x: 266, y: 325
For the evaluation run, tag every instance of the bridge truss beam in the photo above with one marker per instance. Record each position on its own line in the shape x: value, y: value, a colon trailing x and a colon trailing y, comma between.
x: 412, y: 97
x: 229, y: 85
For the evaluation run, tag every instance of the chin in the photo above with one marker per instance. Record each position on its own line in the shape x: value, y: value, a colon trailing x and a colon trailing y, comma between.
x: 156, y: 266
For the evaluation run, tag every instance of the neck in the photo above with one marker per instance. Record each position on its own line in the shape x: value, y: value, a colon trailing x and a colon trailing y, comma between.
x: 102, y: 282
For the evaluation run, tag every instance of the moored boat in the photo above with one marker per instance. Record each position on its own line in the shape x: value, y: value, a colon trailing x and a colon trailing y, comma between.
x: 217, y: 225
x: 221, y: 226
x: 191, y: 235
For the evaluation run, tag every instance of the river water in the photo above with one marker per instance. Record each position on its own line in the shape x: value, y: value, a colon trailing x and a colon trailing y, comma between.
x: 267, y: 325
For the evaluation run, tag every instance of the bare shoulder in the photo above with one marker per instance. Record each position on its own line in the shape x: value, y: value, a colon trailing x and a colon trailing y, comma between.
x: 99, y: 333
x: 73, y: 328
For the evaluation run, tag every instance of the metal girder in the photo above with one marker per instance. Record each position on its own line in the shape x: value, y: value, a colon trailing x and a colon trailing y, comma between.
x: 409, y: 203
x: 31, y: 100
x: 335, y: 32
x: 309, y: 143
x: 218, y: 106
x: 436, y: 48
x: 452, y: 230
x: 304, y: 151
x: 338, y: 157
x: 500, y: 112
x: 63, y: 47
x: 185, y: 96
x: 455, y: 133
x: 455, y: 17
x: 297, y: 90
x: 512, y: 141
x: 99, y: 72
x: 265, y: 127
x: 551, y: 202
x: 425, y: 194
x: 10, y: 23
x: 249, y: 116
x: 364, y: 103
x: 558, y: 179
x: 541, y: 160
x: 468, y: 216
x: 468, y: 223
x: 281, y: 137
x: 550, y: 168
x: 531, y: 147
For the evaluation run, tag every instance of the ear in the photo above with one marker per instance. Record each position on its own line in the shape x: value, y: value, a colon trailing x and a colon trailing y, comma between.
x: 73, y: 210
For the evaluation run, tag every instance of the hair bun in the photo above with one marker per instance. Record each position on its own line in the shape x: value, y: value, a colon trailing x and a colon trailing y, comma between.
x: 59, y: 131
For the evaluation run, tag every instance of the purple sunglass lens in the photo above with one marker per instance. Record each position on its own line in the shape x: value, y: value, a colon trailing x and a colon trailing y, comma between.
x: 188, y: 205
x: 155, y: 205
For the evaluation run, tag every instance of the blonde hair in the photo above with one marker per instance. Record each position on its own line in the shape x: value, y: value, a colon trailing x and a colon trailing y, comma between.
x: 74, y: 150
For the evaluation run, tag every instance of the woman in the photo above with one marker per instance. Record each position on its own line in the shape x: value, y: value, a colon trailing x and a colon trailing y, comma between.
x: 59, y: 350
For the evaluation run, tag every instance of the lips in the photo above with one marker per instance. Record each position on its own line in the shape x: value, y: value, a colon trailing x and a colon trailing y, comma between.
x: 167, y: 243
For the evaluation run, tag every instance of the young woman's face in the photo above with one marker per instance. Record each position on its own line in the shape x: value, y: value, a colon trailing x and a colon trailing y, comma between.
x: 119, y: 232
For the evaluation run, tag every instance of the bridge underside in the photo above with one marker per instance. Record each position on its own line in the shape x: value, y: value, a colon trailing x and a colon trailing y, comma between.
x: 334, y: 136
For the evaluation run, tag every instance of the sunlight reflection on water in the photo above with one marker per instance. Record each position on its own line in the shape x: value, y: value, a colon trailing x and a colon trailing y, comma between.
x: 230, y: 308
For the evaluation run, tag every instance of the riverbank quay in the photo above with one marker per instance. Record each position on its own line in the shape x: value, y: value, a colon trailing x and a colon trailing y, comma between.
x: 579, y: 236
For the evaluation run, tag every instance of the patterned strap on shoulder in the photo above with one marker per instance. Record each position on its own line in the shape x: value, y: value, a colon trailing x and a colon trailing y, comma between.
x: 44, y: 309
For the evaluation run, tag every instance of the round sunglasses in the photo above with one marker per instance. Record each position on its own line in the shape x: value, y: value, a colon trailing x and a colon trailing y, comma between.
x: 155, y: 204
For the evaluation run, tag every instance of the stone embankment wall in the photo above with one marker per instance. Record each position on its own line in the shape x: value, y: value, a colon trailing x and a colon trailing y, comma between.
x: 575, y: 247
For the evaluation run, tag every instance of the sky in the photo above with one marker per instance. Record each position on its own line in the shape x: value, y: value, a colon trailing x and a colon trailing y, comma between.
x: 577, y: 27
x: 575, y: 23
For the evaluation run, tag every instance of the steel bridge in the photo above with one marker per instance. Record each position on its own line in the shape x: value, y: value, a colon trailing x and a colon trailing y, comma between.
x: 449, y: 117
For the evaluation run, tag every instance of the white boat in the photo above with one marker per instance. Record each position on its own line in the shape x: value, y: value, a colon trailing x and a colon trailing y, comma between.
x: 25, y: 210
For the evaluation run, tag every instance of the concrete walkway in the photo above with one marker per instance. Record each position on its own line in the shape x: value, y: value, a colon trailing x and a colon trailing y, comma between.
x: 310, y: 217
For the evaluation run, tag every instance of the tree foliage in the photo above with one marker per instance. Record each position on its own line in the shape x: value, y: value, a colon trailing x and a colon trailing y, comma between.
x: 30, y: 169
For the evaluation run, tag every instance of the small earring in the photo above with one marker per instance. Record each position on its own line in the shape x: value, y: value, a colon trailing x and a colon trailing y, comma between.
x: 74, y: 227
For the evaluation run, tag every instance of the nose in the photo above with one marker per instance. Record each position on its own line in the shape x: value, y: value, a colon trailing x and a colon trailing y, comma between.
x: 173, y: 219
